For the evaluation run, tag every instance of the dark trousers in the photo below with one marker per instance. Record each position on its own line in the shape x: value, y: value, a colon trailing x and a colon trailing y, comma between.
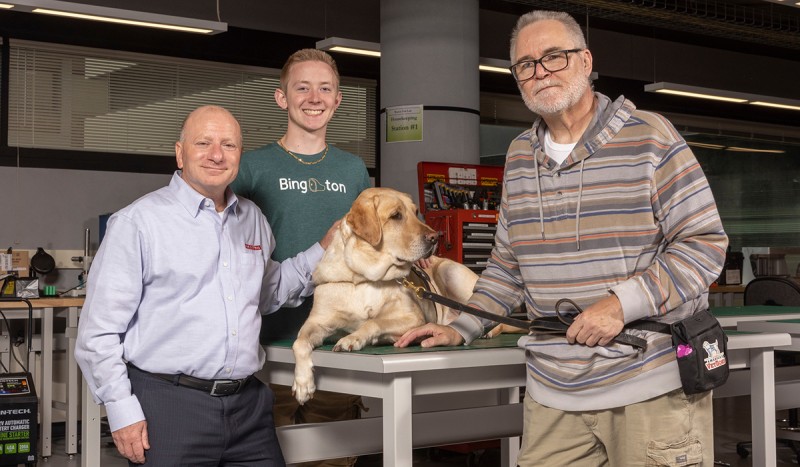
x: 187, y: 427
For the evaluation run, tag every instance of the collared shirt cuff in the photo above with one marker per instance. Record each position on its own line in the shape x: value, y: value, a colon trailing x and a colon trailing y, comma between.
x: 314, y: 254
x: 123, y: 413
x: 468, y: 326
x: 632, y: 299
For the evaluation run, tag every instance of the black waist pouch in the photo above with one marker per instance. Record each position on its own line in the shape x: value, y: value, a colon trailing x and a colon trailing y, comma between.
x: 701, y: 347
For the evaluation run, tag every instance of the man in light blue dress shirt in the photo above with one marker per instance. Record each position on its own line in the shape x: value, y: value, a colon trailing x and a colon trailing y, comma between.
x: 168, y: 337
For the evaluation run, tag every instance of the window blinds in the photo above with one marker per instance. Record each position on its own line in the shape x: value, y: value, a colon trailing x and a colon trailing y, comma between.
x: 82, y: 99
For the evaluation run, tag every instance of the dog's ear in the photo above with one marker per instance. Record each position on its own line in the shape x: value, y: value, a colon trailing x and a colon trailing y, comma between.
x: 363, y: 219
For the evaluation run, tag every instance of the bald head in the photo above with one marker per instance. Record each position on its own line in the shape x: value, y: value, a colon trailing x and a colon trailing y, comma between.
x: 208, y: 110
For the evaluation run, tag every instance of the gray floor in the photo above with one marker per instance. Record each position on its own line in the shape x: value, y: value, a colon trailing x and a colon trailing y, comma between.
x: 731, y: 425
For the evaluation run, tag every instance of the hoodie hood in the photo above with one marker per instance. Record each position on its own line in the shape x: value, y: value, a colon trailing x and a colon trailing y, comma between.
x: 608, y: 119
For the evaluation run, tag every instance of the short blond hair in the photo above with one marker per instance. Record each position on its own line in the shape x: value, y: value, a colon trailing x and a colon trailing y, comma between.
x: 307, y: 55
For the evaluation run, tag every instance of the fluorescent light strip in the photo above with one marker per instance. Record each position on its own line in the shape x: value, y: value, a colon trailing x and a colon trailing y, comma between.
x: 722, y: 95
x: 768, y: 151
x: 701, y: 96
x: 352, y: 50
x: 494, y: 69
x: 705, y: 145
x: 6, y: 6
x: 733, y: 148
x: 779, y: 106
x: 350, y: 46
x: 129, y: 22
x: 373, y: 49
x: 494, y: 65
x: 118, y: 16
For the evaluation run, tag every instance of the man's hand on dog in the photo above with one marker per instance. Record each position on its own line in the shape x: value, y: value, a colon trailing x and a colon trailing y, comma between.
x: 328, y: 238
x: 436, y: 334
x: 598, y: 324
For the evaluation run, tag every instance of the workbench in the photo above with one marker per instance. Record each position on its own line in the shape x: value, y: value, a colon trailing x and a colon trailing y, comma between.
x: 44, y: 310
x: 787, y: 385
x: 753, y: 354
x: 790, y: 326
x: 730, y: 316
x: 400, y: 376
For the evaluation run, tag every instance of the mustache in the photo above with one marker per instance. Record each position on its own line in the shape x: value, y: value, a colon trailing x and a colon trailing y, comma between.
x: 542, y: 84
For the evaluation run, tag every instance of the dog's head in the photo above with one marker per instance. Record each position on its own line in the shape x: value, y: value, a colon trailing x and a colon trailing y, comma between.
x: 383, y: 235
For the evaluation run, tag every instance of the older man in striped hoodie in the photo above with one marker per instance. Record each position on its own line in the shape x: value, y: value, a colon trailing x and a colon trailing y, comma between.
x: 606, y: 205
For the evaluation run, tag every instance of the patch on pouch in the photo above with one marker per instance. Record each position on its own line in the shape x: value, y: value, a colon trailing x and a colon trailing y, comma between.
x: 682, y: 459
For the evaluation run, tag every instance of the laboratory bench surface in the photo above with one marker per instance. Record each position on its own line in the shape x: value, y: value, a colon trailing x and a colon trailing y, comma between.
x: 396, y: 377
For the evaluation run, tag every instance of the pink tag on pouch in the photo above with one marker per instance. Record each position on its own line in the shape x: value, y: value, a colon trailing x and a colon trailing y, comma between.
x: 684, y: 350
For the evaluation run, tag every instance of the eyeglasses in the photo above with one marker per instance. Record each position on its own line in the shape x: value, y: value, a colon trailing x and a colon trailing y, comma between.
x: 552, y: 62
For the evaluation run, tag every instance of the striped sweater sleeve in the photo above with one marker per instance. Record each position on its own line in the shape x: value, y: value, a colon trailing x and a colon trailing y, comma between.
x: 684, y: 208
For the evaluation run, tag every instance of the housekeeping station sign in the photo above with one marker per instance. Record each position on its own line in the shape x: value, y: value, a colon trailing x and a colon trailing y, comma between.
x: 404, y: 123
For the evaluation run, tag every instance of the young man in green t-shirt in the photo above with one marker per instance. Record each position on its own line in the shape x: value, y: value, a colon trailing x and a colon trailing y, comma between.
x: 302, y: 186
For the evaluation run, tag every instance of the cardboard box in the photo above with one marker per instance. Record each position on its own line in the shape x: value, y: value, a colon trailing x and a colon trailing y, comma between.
x: 20, y: 262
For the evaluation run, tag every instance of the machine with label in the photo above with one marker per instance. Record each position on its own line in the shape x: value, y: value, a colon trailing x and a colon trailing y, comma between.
x: 19, y: 410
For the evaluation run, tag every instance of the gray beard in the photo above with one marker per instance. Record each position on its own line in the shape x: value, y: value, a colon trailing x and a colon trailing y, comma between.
x: 570, y: 96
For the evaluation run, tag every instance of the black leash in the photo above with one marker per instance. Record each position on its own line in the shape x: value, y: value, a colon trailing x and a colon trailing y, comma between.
x: 557, y: 324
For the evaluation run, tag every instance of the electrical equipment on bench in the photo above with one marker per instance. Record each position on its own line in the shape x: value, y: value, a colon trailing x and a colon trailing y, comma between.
x: 460, y: 201
x: 19, y: 410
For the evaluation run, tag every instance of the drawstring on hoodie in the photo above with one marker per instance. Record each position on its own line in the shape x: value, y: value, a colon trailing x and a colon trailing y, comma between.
x: 578, y: 213
x: 539, y: 195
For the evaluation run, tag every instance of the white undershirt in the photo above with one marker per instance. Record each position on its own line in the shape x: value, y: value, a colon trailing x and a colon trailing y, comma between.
x: 556, y: 151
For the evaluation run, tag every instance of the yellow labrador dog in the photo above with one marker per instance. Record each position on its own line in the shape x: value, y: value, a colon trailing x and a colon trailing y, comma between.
x: 358, y: 291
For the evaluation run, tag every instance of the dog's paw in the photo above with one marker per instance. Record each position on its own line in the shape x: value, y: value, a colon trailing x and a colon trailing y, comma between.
x: 349, y: 344
x: 303, y: 392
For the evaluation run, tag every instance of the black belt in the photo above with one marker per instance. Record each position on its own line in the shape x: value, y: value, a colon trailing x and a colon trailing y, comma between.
x: 214, y: 387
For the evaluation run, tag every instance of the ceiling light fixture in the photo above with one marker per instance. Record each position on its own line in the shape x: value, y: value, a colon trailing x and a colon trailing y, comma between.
x: 722, y: 95
x: 119, y: 16
x: 733, y: 148
x: 350, y: 46
x: 373, y: 49
x: 777, y: 105
x: 494, y: 65
x: 705, y: 145
x: 767, y: 151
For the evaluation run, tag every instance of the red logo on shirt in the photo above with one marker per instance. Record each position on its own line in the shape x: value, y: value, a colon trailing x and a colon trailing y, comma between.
x: 252, y: 247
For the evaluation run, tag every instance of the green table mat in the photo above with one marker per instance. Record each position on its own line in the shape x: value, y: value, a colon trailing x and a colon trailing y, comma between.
x: 501, y: 341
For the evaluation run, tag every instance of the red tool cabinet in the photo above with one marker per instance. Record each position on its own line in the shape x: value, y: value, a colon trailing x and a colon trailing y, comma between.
x: 460, y: 202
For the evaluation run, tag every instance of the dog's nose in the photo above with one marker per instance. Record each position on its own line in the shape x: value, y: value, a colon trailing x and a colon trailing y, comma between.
x: 432, y: 237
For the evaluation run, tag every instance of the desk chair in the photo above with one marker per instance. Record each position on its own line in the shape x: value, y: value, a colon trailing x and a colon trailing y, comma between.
x: 772, y: 290
x: 775, y: 291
